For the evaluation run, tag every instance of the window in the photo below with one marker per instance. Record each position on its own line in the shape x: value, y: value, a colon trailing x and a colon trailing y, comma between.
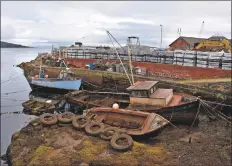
x: 139, y: 94
x: 151, y: 91
x: 154, y: 88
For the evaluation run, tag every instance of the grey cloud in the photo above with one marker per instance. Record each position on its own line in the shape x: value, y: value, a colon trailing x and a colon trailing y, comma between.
x: 188, y: 15
x: 7, y: 32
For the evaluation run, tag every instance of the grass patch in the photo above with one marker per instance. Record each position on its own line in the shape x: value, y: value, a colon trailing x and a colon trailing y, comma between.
x: 90, y: 150
x: 39, y: 155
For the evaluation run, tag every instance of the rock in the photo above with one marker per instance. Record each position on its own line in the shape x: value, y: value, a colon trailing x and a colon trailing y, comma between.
x: 38, y: 127
x: 22, y: 142
x: 84, y: 164
x: 54, y: 127
x: 15, y: 136
x: 9, y: 155
x: 3, y: 157
x: 35, y: 122
x: 212, y: 118
x: 192, y: 138
x: 27, y: 130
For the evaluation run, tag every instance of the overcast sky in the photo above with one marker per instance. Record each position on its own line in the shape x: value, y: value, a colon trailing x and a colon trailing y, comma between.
x: 44, y: 23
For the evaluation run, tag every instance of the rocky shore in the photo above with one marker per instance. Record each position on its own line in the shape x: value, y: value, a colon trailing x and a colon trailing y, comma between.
x: 207, y: 144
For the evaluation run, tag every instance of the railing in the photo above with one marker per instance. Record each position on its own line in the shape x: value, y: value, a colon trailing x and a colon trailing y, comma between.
x: 200, y: 59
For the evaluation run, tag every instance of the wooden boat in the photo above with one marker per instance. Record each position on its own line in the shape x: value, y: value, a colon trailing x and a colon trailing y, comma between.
x: 39, y: 103
x: 135, y: 123
x: 34, y: 107
x: 176, y: 107
x: 89, y: 99
x: 65, y: 82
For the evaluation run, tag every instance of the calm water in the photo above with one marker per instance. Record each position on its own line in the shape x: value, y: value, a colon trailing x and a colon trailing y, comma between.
x: 13, y: 80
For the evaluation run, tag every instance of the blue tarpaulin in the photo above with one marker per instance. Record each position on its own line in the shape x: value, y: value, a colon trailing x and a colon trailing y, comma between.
x: 91, y: 66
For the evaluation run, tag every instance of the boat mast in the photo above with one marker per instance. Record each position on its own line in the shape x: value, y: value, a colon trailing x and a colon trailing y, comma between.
x: 109, y: 34
x: 129, y: 57
x: 52, y: 50
x: 40, y: 68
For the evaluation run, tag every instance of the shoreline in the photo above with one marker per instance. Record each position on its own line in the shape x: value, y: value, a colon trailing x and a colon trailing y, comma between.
x: 67, y: 146
x: 209, y: 143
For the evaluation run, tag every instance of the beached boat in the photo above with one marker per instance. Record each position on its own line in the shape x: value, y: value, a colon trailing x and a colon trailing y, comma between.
x: 65, y: 82
x: 144, y: 96
x: 39, y: 103
x: 37, y: 108
x: 134, y: 123
x: 97, y: 99
x: 176, y: 107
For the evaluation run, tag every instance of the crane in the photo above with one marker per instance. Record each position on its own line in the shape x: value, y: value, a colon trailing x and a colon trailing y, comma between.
x: 202, y: 28
x: 179, y: 32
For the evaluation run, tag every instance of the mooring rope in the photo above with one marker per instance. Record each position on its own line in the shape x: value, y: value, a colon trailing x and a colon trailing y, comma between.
x: 10, y: 105
x: 7, y: 93
x: 11, y: 99
x: 217, y: 103
x: 90, y: 83
x: 219, y: 114
x: 195, y: 116
x: 12, y: 78
x: 15, y: 112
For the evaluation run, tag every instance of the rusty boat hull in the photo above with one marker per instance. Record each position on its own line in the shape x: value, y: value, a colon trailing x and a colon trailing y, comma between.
x: 183, y: 113
x: 138, y: 124
x: 40, y: 102
x: 33, y: 107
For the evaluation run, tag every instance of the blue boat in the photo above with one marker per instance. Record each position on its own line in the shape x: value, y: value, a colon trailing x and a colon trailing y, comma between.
x: 57, y: 83
x: 65, y: 82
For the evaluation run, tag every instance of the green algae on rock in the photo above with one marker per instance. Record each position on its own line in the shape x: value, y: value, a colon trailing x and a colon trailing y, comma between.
x: 64, y: 146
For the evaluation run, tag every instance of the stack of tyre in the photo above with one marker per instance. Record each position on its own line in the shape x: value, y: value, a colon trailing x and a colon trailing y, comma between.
x: 119, y: 140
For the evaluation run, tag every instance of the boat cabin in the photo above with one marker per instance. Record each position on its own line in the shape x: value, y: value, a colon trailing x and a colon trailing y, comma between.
x: 66, y: 75
x: 147, y: 93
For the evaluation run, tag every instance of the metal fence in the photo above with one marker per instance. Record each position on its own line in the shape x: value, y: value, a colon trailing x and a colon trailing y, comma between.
x: 179, y: 57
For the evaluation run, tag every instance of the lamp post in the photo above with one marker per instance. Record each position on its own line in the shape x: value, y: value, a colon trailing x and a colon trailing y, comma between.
x: 161, y: 36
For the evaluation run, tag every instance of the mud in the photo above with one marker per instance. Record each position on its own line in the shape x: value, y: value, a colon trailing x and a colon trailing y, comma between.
x: 221, y: 86
x: 209, y: 144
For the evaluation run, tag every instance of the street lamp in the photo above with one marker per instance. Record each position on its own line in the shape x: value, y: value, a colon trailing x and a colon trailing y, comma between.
x: 161, y: 36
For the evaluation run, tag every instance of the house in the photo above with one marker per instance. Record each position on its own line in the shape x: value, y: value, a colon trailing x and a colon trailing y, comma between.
x: 185, y: 43
x: 188, y: 43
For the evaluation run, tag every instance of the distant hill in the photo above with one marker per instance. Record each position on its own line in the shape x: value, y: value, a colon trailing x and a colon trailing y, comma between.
x: 11, y: 45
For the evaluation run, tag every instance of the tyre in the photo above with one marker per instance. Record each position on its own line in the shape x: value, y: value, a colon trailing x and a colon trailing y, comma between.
x: 48, y: 119
x: 94, y: 132
x: 114, y: 142
x: 80, y: 122
x: 65, y: 117
x: 64, y: 124
x: 106, y: 135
